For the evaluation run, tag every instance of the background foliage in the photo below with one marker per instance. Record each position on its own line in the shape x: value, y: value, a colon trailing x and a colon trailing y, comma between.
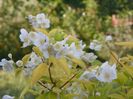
x: 88, y: 19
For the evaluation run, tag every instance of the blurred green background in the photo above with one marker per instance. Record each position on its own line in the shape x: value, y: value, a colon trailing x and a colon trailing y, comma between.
x: 88, y: 19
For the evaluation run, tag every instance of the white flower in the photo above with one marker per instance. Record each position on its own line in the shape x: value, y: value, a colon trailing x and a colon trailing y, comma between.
x: 74, y: 51
x: 108, y: 38
x: 33, y: 61
x: 7, y: 65
x: 98, y: 94
x: 75, y: 88
x: 7, y: 97
x: 41, y: 41
x: 39, y: 21
x: 31, y: 64
x: 87, y: 75
x: 19, y: 63
x: 106, y: 73
x: 40, y: 18
x: 27, y: 71
x: 32, y: 20
x: 61, y: 48
x: 89, y: 57
x: 81, y: 45
x: 24, y: 37
x: 45, y: 53
x: 10, y: 55
x: 95, y: 45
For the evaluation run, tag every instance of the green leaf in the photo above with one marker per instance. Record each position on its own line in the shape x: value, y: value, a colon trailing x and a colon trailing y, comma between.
x: 129, y: 70
x: 24, y: 91
x: 48, y: 95
x: 122, y: 78
x: 130, y: 93
x: 57, y: 34
x: 98, y: 97
x: 72, y: 39
x: 116, y: 96
x: 67, y: 96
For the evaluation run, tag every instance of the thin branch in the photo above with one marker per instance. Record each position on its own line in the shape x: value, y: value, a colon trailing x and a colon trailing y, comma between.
x: 68, y: 81
x: 50, y: 75
x: 114, y: 55
x: 42, y: 59
x: 42, y: 84
x: 116, y: 59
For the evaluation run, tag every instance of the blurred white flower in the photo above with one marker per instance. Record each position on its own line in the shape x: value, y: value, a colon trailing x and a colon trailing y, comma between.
x: 27, y: 71
x: 98, y: 94
x: 95, y: 45
x: 32, y: 20
x: 10, y: 55
x: 81, y: 45
x: 7, y: 65
x: 41, y: 41
x: 24, y: 37
x: 75, y: 88
x: 61, y: 48
x: 106, y: 72
x: 89, y: 57
x: 7, y: 97
x: 45, y: 52
x: 19, y: 63
x: 108, y: 38
x: 33, y: 61
x: 87, y: 75
x: 39, y: 21
x: 74, y: 51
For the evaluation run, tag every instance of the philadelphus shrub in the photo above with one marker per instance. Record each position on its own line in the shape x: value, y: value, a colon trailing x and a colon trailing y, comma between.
x: 58, y: 67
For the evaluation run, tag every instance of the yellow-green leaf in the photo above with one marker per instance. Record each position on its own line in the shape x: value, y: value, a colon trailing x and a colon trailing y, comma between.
x: 127, y: 44
x: 48, y: 95
x: 113, y: 57
x: 78, y: 62
x: 57, y: 34
x: 122, y: 78
x: 60, y: 68
x: 37, y: 51
x: 26, y: 58
x: 130, y: 57
x: 116, y: 96
x: 130, y: 92
x: 129, y: 70
x: 41, y: 30
x: 38, y: 72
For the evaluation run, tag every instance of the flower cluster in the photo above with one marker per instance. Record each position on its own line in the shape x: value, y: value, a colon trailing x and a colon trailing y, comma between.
x: 39, y: 21
x: 57, y: 57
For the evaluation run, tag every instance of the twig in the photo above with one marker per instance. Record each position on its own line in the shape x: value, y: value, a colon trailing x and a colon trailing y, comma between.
x: 49, y: 70
x: 116, y: 59
x: 114, y: 55
x: 68, y: 81
x: 42, y: 84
